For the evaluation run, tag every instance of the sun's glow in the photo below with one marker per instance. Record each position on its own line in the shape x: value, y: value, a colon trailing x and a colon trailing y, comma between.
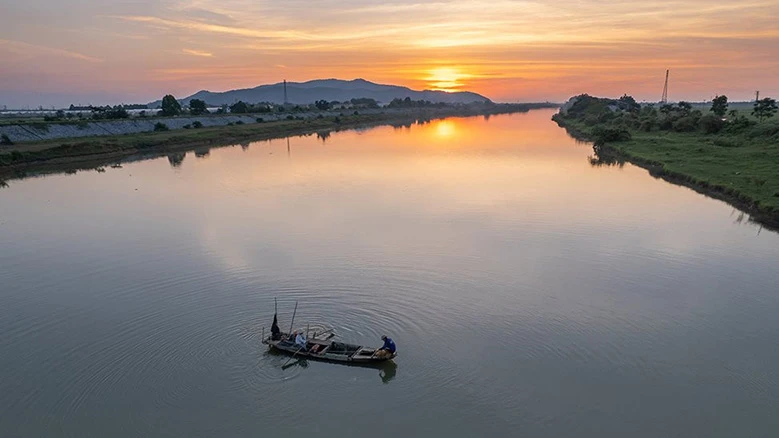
x: 446, y: 78
x: 445, y: 129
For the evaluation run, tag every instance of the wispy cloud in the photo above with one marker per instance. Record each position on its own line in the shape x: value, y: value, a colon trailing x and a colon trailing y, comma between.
x: 218, y: 28
x: 194, y: 52
x: 503, y: 48
x: 27, y: 50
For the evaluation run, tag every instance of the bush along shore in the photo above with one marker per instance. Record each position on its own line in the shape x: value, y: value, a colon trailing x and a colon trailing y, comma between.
x: 728, y: 155
x: 29, y: 155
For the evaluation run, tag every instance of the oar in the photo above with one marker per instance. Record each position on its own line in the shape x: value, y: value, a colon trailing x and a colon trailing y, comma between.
x: 316, y: 335
x: 293, y: 356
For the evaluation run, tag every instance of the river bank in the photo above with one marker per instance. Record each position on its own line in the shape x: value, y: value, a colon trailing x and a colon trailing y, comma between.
x: 31, y: 155
x: 736, y: 161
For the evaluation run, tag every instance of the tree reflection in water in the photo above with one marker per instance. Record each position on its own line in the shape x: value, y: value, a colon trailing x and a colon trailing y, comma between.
x: 605, y: 157
x: 176, y: 159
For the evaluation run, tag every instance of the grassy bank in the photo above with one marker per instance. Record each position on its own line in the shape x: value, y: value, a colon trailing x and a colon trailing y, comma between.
x: 734, y: 160
x: 65, y: 154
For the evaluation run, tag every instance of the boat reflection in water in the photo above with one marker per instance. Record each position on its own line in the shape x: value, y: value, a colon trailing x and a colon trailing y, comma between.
x: 388, y: 371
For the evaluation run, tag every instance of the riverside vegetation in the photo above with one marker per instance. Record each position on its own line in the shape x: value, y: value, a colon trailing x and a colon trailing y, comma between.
x: 730, y: 155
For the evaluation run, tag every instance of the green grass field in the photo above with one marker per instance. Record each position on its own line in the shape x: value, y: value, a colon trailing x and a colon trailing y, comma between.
x: 746, y: 167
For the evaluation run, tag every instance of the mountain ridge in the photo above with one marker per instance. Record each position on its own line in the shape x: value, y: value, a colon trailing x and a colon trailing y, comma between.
x: 328, y: 89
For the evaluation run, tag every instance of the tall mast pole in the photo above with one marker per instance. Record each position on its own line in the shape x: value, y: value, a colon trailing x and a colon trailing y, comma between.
x: 664, y: 99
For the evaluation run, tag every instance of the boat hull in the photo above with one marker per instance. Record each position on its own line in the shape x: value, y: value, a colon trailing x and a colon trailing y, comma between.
x: 323, y: 350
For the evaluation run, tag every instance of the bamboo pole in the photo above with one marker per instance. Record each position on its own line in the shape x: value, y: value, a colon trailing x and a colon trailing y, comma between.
x: 292, y: 323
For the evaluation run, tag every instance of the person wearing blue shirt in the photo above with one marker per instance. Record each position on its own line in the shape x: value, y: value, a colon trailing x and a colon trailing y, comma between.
x: 388, y: 349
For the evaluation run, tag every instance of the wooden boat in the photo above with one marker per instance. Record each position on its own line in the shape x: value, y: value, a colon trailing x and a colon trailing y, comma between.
x: 322, y: 348
x: 330, y: 351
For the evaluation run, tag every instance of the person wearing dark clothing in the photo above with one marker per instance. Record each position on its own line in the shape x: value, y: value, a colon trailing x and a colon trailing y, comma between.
x: 275, y: 331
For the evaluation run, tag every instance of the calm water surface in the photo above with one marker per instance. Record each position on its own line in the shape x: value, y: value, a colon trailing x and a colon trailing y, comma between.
x: 530, y: 294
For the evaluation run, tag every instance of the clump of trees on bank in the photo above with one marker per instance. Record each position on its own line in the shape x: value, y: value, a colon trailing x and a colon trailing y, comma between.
x: 408, y: 103
x: 614, y: 119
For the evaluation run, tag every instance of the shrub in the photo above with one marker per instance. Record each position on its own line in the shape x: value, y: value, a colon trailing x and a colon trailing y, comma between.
x: 685, y: 124
x: 260, y: 120
x: 170, y: 106
x: 603, y: 135
x: 764, y: 130
x: 646, y: 125
x: 666, y: 124
x: 5, y: 141
x: 239, y: 107
x: 197, y: 124
x: 711, y: 124
x: 117, y: 112
x: 356, y: 113
x: 159, y: 126
x: 16, y: 156
x: 290, y: 117
x: 82, y: 124
x: 240, y: 122
x: 337, y: 119
x: 187, y: 126
x: 604, y: 116
x: 590, y: 120
x: 739, y: 124
x: 198, y: 107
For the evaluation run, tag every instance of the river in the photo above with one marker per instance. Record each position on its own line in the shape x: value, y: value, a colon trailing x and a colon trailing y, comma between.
x: 529, y: 292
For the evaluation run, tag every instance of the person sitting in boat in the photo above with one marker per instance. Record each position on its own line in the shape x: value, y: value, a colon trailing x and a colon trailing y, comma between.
x: 388, y: 349
x: 300, y: 341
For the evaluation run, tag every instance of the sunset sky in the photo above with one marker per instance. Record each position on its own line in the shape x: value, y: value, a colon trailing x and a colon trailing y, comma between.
x: 102, y: 51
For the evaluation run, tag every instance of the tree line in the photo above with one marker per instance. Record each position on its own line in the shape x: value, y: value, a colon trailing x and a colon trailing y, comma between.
x: 613, y: 119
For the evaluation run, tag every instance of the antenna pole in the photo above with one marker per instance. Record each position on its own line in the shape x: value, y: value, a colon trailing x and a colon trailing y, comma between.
x: 664, y: 99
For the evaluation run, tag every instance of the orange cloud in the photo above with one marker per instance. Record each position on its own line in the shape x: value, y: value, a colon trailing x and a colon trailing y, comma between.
x: 505, y: 49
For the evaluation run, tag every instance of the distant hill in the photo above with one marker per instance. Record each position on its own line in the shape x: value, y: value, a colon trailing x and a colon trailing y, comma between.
x: 327, y: 89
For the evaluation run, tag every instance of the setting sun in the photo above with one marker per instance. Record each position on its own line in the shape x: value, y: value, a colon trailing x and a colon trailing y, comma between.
x: 446, y: 78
